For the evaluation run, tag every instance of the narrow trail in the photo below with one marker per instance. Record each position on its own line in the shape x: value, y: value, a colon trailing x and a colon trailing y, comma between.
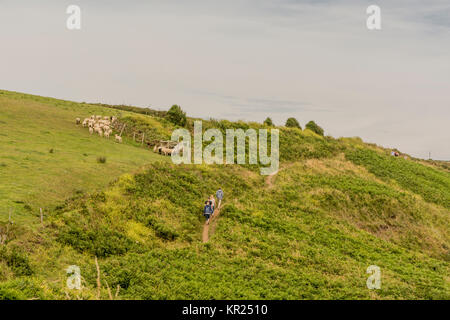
x: 271, y: 177
x: 212, y: 223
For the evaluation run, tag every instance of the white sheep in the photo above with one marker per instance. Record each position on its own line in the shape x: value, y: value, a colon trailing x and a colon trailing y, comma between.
x: 101, y: 125
x: 78, y: 120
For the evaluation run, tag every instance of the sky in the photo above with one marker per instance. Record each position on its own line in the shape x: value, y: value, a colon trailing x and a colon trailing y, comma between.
x: 247, y: 60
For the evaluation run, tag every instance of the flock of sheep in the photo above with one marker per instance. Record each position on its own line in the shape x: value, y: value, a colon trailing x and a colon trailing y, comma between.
x: 167, y: 149
x: 100, y: 125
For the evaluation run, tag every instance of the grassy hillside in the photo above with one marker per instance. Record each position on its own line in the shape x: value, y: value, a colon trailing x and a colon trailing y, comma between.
x: 336, y: 207
x: 45, y: 157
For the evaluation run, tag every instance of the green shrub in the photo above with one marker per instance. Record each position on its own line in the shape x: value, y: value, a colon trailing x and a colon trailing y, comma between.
x: 314, y: 128
x: 16, y: 260
x: 176, y: 115
x: 161, y: 230
x: 292, y: 123
x: 11, y: 294
x: 268, y: 122
x: 102, y: 242
x: 24, y: 289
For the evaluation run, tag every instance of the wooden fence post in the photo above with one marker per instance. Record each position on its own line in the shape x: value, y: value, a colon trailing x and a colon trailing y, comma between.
x: 122, y: 130
x: 142, y: 142
x: 42, y: 215
x: 134, y: 136
x: 99, y: 283
x: 9, y: 219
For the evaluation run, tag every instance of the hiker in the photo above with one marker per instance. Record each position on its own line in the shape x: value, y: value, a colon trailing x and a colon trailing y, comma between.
x: 213, y: 203
x: 207, y: 211
x: 219, y: 195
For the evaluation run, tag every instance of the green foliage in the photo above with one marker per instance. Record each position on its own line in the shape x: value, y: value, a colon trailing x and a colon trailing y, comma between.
x: 176, y: 115
x: 268, y: 122
x: 17, y: 260
x: 163, y: 231
x: 295, y: 145
x: 292, y: 123
x: 26, y: 288
x: 432, y: 184
x: 152, y: 128
x: 11, y: 294
x: 311, y: 125
x: 101, y: 242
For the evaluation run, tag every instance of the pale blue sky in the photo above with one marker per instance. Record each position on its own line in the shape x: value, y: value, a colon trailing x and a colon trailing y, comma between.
x: 246, y: 60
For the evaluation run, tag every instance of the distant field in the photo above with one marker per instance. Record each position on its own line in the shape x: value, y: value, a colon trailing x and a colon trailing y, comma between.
x: 32, y: 177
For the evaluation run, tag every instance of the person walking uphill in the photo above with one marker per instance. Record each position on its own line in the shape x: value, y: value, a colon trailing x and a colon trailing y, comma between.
x: 219, y: 195
x: 213, y: 203
x: 207, y: 211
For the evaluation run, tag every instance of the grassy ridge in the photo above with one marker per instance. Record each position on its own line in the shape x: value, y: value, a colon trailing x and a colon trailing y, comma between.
x: 433, y: 185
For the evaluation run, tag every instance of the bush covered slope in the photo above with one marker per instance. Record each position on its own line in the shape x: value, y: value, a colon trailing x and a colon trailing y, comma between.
x: 309, y: 232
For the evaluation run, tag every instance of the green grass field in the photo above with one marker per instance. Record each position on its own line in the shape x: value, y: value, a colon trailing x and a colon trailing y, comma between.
x: 336, y: 207
x: 33, y: 177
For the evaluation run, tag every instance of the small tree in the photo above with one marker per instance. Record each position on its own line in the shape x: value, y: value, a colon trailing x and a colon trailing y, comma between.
x: 314, y: 127
x: 176, y: 115
x: 292, y: 123
x: 268, y: 122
